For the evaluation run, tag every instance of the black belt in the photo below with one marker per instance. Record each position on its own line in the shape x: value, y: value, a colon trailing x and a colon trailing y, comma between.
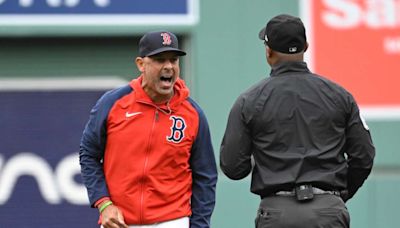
x: 316, y: 191
x: 304, y: 192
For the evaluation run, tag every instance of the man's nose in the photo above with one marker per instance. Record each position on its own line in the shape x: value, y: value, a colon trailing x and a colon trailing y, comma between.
x: 168, y: 64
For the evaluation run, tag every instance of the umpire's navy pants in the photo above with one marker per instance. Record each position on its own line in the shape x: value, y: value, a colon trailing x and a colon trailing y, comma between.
x: 323, y: 211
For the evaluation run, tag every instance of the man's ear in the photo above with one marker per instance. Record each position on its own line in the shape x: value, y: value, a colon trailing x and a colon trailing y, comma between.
x: 306, y: 47
x: 268, y: 51
x: 140, y: 64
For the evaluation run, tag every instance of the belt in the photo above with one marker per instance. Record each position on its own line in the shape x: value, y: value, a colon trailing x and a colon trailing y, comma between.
x: 316, y: 191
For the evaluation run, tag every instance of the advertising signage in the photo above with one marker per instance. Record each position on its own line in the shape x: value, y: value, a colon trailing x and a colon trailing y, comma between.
x: 98, y: 12
x: 41, y: 127
x: 356, y: 43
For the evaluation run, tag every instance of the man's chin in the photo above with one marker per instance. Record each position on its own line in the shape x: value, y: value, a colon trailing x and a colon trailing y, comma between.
x: 165, y: 92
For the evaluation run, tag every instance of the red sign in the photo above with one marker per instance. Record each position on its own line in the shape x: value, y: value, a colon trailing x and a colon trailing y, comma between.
x: 356, y: 43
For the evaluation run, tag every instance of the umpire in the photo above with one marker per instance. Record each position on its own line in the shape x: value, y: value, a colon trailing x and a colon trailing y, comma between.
x: 300, y: 134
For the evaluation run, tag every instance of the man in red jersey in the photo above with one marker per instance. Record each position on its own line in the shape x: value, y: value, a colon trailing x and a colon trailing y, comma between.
x: 146, y: 155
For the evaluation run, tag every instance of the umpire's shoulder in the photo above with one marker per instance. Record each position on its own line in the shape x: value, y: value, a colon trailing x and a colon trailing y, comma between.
x: 256, y: 89
x: 332, y: 84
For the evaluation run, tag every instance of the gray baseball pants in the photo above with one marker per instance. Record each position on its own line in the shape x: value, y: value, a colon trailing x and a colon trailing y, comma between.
x: 323, y: 211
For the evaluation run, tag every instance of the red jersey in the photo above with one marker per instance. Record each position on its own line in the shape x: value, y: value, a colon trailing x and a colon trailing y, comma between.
x: 151, y: 155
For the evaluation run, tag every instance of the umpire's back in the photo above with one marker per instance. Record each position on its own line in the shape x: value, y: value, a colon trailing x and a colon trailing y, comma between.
x: 312, y: 150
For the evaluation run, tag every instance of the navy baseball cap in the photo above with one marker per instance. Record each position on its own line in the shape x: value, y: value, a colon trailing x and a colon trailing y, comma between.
x: 153, y: 43
x: 284, y: 33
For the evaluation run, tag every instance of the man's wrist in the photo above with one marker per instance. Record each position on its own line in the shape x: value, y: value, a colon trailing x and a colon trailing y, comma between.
x: 101, y: 200
x: 104, y: 205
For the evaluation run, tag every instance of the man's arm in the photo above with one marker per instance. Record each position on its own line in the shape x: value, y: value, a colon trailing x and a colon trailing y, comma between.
x: 91, y: 154
x: 93, y: 143
x: 204, y: 175
x: 235, y: 152
x: 360, y: 151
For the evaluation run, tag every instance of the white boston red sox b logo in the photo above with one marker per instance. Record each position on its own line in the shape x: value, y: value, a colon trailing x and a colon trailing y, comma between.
x: 177, y: 129
x: 166, y: 38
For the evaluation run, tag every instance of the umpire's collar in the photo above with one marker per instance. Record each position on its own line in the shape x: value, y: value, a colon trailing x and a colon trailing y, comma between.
x: 288, y: 67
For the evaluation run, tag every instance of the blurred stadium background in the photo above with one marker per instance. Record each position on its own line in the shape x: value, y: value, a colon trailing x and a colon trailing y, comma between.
x: 55, y: 63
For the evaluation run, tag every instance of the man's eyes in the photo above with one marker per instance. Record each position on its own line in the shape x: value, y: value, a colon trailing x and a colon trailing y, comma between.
x: 164, y: 60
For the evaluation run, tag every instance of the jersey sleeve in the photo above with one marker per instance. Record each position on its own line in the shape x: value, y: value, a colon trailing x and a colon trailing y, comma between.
x: 359, y: 149
x: 92, y: 151
x: 235, y: 151
x: 204, y: 175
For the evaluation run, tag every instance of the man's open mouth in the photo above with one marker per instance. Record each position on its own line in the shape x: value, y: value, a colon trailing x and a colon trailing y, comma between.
x: 166, y: 78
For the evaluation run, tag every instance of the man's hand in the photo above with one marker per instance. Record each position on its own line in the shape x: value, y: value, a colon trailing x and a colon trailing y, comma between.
x: 111, y: 217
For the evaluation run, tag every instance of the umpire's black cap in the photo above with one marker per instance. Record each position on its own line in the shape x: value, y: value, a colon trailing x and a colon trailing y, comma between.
x: 284, y: 33
x: 153, y: 43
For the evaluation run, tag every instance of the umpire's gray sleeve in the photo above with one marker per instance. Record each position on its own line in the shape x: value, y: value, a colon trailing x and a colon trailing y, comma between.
x: 235, y: 152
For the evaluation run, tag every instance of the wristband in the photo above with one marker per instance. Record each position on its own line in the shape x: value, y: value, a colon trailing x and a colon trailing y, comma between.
x: 104, y: 206
x: 101, y: 200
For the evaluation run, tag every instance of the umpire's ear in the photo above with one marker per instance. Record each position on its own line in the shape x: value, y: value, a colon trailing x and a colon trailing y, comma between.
x: 140, y: 64
x: 268, y: 51
x: 306, y: 47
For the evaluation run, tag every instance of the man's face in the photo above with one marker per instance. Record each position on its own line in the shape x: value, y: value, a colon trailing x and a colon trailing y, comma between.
x: 160, y: 73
